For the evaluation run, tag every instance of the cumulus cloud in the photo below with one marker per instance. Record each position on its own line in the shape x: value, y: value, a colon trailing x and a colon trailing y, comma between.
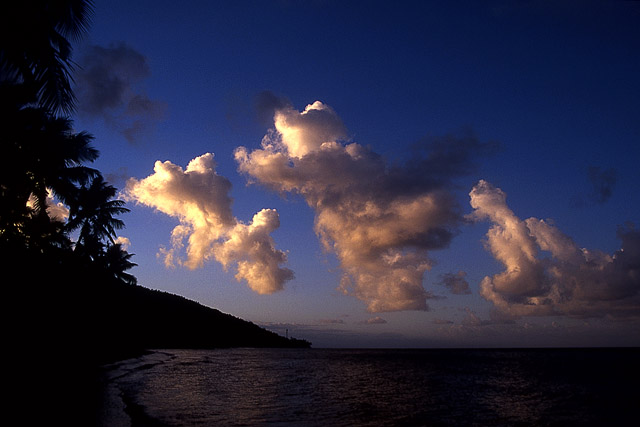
x: 108, y: 87
x: 124, y: 242
x: 456, y: 283
x: 380, y: 220
x: 252, y: 247
x: 547, y: 273
x: 267, y: 103
x: 199, y: 198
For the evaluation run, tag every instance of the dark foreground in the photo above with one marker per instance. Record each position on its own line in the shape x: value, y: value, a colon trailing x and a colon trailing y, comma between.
x: 61, y: 324
x: 320, y: 387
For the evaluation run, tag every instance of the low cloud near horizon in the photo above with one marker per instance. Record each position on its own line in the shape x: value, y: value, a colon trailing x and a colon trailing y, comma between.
x: 199, y: 198
x: 381, y: 220
x: 375, y: 321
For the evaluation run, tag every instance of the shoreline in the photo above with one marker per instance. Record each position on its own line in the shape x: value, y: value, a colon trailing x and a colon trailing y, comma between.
x: 113, y: 408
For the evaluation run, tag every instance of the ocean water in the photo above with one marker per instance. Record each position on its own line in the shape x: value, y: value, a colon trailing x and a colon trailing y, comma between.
x: 336, y: 387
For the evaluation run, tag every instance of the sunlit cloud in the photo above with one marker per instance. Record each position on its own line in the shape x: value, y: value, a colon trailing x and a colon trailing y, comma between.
x: 199, y: 198
x: 547, y: 273
x: 380, y: 220
x: 375, y: 321
x: 55, y: 210
x: 252, y: 247
x: 124, y: 242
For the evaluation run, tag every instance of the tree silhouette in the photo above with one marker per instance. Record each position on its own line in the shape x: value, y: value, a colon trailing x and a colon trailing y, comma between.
x: 36, y: 47
x: 93, y: 211
x: 115, y: 261
x: 44, y: 155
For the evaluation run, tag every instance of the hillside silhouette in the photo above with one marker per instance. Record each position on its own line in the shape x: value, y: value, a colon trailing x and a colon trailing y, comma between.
x: 154, y: 319
x: 73, y: 308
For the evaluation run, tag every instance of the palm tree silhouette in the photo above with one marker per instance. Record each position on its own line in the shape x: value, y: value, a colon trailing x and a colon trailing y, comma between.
x: 45, y: 154
x: 93, y: 211
x: 36, y: 47
x: 115, y: 261
x: 41, y: 153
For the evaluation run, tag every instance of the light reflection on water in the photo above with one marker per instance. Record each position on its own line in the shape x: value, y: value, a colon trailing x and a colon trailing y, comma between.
x: 376, y: 387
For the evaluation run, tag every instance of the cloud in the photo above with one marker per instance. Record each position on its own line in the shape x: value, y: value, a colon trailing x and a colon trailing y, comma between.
x: 57, y: 211
x: 108, y: 88
x: 375, y: 321
x: 118, y: 177
x: 602, y: 183
x: 456, y: 283
x: 124, y: 242
x: 267, y: 103
x: 380, y: 220
x: 569, y: 281
x: 199, y: 198
x: 495, y: 318
x: 331, y: 321
x: 252, y: 247
x: 472, y: 319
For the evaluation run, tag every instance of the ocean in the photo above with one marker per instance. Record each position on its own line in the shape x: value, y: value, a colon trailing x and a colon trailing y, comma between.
x: 362, y: 387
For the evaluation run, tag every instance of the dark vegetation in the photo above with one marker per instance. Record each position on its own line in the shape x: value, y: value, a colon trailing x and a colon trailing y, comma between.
x: 68, y: 295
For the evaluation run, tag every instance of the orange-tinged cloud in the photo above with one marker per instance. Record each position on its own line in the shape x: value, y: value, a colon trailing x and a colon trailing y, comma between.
x: 199, y: 198
x: 55, y: 210
x: 380, y: 221
x: 302, y: 133
x: 573, y: 281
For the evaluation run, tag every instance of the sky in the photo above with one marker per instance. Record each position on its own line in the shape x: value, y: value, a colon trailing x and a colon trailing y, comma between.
x: 378, y: 174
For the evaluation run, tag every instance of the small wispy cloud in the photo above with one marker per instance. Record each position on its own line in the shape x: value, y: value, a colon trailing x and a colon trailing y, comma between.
x: 601, y: 184
x: 439, y: 321
x: 375, y: 321
x: 456, y: 283
x: 109, y: 87
x: 331, y: 321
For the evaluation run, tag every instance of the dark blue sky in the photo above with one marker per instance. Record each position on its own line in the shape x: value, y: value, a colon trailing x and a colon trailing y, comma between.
x: 552, y: 87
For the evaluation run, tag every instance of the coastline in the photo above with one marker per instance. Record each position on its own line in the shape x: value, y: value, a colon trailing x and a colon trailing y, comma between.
x: 112, y: 407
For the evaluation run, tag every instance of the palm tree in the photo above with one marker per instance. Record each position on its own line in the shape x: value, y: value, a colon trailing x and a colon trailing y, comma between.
x: 43, y: 153
x: 93, y: 211
x: 115, y: 261
x: 36, y: 48
x: 40, y: 149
